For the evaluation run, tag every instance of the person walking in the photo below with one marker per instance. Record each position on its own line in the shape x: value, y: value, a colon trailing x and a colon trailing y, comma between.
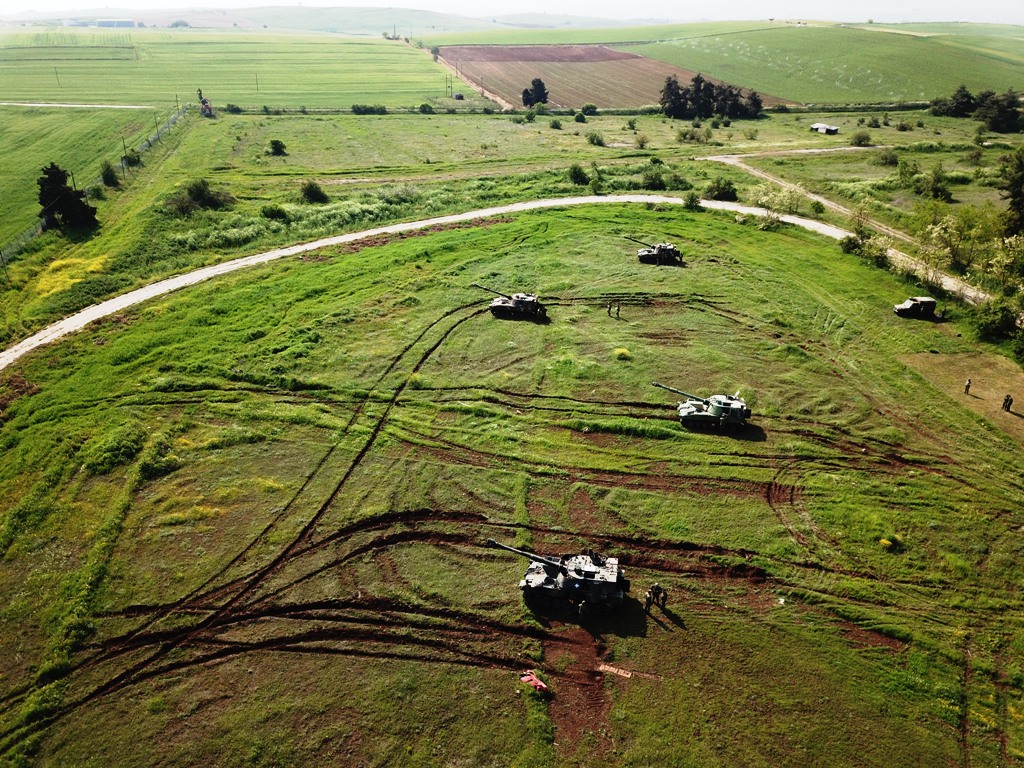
x: 609, y: 309
x: 648, y: 601
x: 967, y: 387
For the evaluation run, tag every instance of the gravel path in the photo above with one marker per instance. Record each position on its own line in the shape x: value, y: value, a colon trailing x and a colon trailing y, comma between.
x: 81, y: 319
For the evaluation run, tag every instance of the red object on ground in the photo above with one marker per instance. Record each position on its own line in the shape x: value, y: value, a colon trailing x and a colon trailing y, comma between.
x: 529, y: 676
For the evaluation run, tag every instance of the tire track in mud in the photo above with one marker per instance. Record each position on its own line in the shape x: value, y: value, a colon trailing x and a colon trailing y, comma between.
x: 247, y: 584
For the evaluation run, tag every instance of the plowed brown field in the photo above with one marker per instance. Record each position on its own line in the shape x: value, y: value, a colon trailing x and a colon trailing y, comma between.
x: 574, y: 74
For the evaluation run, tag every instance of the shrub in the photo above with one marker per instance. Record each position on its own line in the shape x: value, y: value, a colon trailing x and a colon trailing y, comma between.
x: 277, y: 148
x: 274, y: 211
x: 577, y: 175
x: 109, y: 174
x: 691, y: 201
x: 368, y: 109
x: 589, y: 109
x: 861, y: 139
x: 653, y: 180
x: 198, y: 194
x: 721, y: 189
x: 580, y: 117
x: 426, y: 109
x: 631, y: 124
x: 233, y: 109
x: 313, y: 193
x: 817, y: 207
x: 132, y: 157
x: 556, y: 124
x: 903, y: 125
x: 595, y: 138
x: 888, y: 157
x: 750, y: 134
x: 873, y: 122
x: 641, y: 141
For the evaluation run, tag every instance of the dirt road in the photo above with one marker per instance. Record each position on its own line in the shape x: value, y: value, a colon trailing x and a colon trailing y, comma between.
x: 81, y: 319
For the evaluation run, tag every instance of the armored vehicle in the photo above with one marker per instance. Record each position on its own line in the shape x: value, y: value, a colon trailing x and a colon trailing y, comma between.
x: 922, y: 307
x: 518, y: 306
x: 664, y: 254
x: 714, y: 411
x: 584, y: 583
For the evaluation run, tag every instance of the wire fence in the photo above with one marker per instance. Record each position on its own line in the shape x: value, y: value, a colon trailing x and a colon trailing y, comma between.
x: 15, y: 246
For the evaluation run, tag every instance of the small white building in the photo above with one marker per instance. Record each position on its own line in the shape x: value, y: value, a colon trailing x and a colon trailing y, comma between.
x: 831, y: 130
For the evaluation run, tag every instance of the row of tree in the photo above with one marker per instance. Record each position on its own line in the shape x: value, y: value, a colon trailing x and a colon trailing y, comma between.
x: 999, y: 112
x: 703, y: 99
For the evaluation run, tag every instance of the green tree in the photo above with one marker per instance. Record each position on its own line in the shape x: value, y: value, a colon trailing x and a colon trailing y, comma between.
x: 538, y: 92
x: 673, y: 100
x: 1012, y: 174
x: 277, y: 148
x: 63, y: 207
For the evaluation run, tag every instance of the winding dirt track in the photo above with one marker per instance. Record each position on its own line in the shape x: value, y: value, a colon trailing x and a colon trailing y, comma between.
x: 81, y: 319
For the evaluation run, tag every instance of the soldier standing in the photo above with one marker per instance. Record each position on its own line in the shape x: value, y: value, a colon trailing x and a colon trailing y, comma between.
x: 648, y: 601
x: 967, y: 387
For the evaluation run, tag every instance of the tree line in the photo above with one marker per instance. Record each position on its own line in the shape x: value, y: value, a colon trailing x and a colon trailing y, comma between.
x: 703, y: 99
x: 999, y: 112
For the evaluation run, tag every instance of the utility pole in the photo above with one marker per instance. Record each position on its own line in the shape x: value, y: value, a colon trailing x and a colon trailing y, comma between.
x: 3, y: 261
x: 257, y: 82
x: 57, y: 76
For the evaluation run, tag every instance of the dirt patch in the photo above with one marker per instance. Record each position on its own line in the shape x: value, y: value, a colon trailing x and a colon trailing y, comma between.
x: 992, y: 378
x: 580, y: 706
x: 862, y: 637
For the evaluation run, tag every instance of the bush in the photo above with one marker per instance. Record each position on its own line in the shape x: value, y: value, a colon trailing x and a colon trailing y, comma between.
x: 578, y: 176
x: 233, y: 109
x: 721, y: 189
x: 595, y: 138
x: 198, y: 194
x: 641, y: 141
x: 888, y: 157
x: 277, y: 148
x: 580, y: 117
x: 132, y: 157
x: 556, y: 124
x: 426, y: 109
x: 109, y: 174
x: 313, y: 193
x: 589, y: 109
x: 691, y: 201
x: 653, y: 180
x: 861, y: 139
x: 367, y: 109
x: 274, y: 211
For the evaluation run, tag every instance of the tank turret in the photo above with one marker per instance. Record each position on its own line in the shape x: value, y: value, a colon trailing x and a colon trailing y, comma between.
x: 584, y: 583
x: 714, y: 411
x: 517, y: 306
x: 664, y: 254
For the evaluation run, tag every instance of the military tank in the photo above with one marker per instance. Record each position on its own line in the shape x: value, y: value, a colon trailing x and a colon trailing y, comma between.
x: 714, y: 411
x: 518, y: 306
x: 584, y: 583
x: 664, y: 254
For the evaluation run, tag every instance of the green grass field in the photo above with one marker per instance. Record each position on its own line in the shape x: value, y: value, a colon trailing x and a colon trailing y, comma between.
x: 241, y: 428
x: 844, y: 65
x: 243, y: 524
x: 165, y: 67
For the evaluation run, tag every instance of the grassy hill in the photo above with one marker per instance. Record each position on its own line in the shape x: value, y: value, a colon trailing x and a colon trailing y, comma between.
x: 816, y: 63
x: 261, y: 517
x: 243, y: 524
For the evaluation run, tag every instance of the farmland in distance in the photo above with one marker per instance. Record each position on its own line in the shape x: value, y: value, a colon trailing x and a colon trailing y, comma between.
x: 574, y: 74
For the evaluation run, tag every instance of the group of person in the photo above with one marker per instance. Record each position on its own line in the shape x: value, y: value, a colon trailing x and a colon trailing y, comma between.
x: 1007, y: 401
x: 656, y: 595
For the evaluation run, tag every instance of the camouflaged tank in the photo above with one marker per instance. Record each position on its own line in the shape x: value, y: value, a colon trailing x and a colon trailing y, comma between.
x: 584, y: 583
x: 715, y: 411
x: 517, y: 306
x: 664, y: 254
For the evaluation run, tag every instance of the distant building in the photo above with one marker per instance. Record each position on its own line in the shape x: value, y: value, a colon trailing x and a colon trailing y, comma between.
x: 831, y: 130
x: 115, y: 22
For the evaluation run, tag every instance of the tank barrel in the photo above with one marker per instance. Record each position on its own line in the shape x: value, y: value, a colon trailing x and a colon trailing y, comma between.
x: 679, y: 392
x: 552, y: 561
x: 638, y: 241
x: 490, y: 290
